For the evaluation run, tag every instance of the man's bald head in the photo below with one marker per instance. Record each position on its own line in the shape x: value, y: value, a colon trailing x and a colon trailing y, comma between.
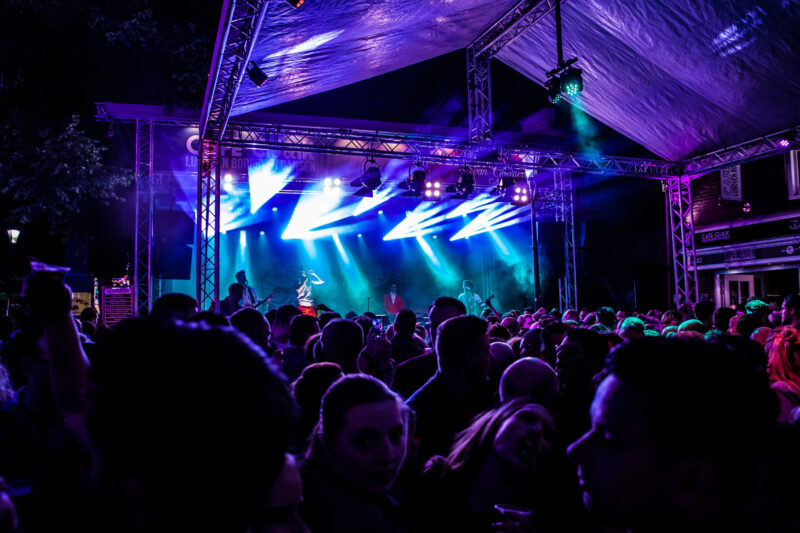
x: 531, y: 378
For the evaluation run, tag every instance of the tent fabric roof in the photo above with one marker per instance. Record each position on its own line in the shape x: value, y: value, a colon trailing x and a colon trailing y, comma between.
x: 680, y: 77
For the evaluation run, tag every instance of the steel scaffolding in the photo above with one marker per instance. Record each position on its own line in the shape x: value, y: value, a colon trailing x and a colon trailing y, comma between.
x: 773, y: 143
x: 207, y: 228
x: 240, y: 25
x: 565, y: 212
x: 144, y: 216
x: 681, y: 228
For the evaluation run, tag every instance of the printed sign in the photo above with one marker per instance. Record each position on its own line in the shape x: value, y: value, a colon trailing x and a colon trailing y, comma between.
x: 731, y: 183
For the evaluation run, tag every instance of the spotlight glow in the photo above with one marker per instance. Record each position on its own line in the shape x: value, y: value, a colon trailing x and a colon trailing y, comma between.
x: 261, y: 232
x: 500, y: 216
x: 479, y: 203
x: 243, y: 239
x: 421, y: 221
x: 267, y: 180
x: 228, y: 178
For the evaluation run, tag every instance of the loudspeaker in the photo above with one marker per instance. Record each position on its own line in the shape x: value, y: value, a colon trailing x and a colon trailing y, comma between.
x: 173, y: 236
x: 552, y: 237
x: 171, y: 228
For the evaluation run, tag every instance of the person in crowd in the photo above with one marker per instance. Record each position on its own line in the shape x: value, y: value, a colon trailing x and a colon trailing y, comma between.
x: 412, y: 374
x: 722, y: 318
x: 89, y: 314
x: 252, y: 323
x: 579, y: 357
x: 405, y: 343
x: 459, y: 389
x: 327, y: 316
x: 293, y: 357
x: 190, y: 424
x: 282, y: 323
x: 355, y: 457
x: 666, y: 450
x: 365, y: 323
x: 341, y: 343
x: 498, y: 332
x: 570, y: 315
x: 790, y: 311
x: 532, y: 379
x: 472, y: 301
x: 704, y: 312
x: 673, y: 318
x: 308, y: 390
x: 511, y: 324
x: 231, y: 303
x: 515, y: 343
x: 607, y: 317
x: 784, y: 371
x: 552, y: 336
x: 631, y: 328
x: 531, y: 344
x: 392, y: 302
x: 282, y: 508
x: 212, y: 318
x: 761, y: 335
x: 748, y: 323
x: 502, y: 458
x: 501, y: 355
x: 173, y: 306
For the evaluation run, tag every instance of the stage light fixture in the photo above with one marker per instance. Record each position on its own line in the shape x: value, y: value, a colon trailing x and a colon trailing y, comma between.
x: 572, y: 81
x: 415, y: 184
x: 332, y: 186
x: 464, y: 185
x: 380, y: 212
x: 295, y: 3
x: 256, y: 75
x: 784, y: 143
x: 369, y: 181
x: 513, y: 190
x: 274, y: 209
x: 553, y: 86
x: 564, y: 79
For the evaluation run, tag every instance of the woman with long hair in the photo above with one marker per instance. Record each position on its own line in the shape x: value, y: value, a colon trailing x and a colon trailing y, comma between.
x: 500, y: 461
x: 784, y: 370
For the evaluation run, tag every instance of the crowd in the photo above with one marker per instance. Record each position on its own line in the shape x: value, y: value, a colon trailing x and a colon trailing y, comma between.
x: 596, y: 421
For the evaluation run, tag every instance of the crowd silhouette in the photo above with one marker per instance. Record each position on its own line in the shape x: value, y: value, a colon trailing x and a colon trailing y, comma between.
x: 595, y: 420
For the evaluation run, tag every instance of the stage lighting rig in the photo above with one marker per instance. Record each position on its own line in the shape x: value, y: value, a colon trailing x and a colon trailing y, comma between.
x: 415, y: 184
x: 565, y: 78
x: 332, y: 186
x: 433, y: 190
x: 295, y: 3
x: 369, y: 181
x: 256, y: 75
x: 513, y: 190
x: 464, y: 185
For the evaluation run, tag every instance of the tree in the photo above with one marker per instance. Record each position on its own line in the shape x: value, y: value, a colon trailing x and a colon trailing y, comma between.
x: 50, y: 175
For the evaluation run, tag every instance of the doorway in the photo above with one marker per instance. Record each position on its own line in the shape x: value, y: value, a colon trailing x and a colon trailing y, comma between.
x: 737, y: 289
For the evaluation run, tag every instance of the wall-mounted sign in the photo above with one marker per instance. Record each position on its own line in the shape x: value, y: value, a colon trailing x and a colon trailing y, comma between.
x: 751, y: 232
x: 731, y: 183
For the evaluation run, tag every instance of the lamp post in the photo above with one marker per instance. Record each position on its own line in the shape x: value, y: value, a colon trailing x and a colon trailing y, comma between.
x: 13, y: 236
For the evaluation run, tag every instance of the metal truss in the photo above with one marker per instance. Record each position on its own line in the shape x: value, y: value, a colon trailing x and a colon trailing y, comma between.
x: 479, y: 96
x: 143, y: 240
x: 230, y: 63
x: 681, y: 228
x: 479, y: 55
x: 208, y: 219
x: 518, y: 19
x: 428, y: 149
x: 568, y: 284
x: 743, y: 152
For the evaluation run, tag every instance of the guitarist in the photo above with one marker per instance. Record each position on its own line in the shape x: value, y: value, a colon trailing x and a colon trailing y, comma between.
x: 471, y: 301
x: 250, y: 297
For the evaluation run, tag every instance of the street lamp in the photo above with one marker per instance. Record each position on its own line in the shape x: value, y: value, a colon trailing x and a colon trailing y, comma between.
x: 13, y: 236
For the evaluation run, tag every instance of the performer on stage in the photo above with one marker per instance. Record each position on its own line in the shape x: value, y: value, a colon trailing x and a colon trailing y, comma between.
x: 471, y: 301
x: 250, y: 296
x: 392, y: 302
x: 305, y: 296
